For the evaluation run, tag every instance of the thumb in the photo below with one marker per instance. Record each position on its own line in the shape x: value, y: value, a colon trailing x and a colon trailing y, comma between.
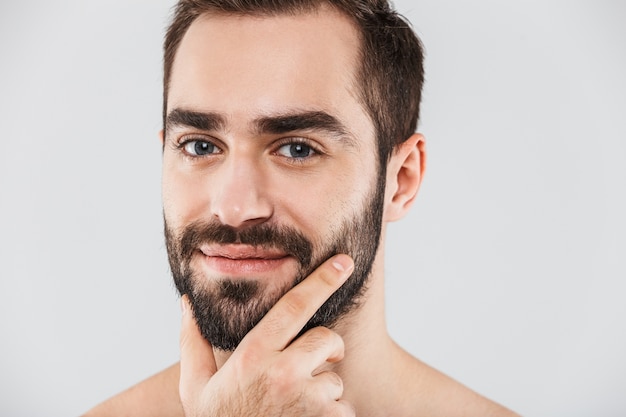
x: 197, y: 363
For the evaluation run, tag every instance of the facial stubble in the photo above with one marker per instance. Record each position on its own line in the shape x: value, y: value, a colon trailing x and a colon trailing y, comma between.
x: 227, y: 309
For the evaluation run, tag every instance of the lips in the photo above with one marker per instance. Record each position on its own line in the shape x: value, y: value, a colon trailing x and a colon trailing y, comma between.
x: 240, y: 252
x: 242, y: 260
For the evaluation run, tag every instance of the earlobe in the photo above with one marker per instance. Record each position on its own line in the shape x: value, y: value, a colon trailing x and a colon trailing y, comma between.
x: 404, y: 176
x: 162, y: 137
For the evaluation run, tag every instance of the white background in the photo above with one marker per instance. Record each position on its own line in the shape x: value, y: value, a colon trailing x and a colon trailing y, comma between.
x: 509, y: 274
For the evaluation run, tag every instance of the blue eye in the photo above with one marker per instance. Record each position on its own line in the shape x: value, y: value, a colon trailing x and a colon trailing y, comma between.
x: 200, y: 148
x: 296, y: 150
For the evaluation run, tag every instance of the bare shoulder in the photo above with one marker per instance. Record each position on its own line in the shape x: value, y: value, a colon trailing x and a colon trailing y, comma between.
x: 156, y: 396
x: 441, y: 395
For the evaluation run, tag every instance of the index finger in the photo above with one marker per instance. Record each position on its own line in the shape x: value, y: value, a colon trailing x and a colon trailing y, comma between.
x: 289, y: 315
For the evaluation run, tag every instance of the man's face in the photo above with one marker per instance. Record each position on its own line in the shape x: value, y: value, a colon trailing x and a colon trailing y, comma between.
x: 269, y: 166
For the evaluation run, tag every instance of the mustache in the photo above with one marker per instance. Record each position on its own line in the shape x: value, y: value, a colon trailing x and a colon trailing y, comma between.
x: 284, y: 238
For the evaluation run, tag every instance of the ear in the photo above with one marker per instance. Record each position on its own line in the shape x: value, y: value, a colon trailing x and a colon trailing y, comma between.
x: 162, y: 137
x: 404, y: 176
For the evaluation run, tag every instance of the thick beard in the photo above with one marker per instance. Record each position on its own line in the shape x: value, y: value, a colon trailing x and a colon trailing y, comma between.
x: 227, y: 310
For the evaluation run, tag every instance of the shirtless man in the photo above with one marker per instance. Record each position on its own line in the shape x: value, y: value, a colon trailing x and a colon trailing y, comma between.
x: 288, y: 144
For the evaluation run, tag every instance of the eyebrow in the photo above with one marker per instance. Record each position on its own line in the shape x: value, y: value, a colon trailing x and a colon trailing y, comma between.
x: 306, y: 120
x: 197, y: 120
x: 279, y: 124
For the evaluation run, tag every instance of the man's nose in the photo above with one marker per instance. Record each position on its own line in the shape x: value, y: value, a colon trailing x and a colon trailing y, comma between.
x: 241, y: 194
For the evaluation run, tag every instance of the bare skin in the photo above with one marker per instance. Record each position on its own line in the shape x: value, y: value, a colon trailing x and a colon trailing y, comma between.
x: 355, y: 368
x: 271, y: 371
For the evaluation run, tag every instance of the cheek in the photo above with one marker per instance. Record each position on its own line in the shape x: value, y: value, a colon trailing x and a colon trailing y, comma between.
x: 182, y: 196
x: 320, y: 205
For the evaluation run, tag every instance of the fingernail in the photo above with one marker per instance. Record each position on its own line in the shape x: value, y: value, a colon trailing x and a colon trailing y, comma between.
x: 342, y: 263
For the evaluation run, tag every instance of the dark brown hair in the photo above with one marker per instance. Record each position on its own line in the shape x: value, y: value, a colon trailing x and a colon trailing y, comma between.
x: 390, y: 75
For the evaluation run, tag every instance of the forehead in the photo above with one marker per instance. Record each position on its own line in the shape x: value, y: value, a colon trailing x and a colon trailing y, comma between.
x: 246, y: 66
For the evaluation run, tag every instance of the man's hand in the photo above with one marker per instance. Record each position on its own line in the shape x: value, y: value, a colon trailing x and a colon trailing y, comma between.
x: 270, y: 373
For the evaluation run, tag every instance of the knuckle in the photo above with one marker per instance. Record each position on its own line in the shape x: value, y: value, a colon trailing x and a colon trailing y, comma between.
x: 324, y: 393
x: 281, y: 380
x: 335, y: 379
x: 322, y: 338
x: 295, y: 303
x: 337, y: 340
x: 316, y: 338
x: 328, y: 277
x: 272, y: 325
x: 322, y: 332
x: 248, y: 359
